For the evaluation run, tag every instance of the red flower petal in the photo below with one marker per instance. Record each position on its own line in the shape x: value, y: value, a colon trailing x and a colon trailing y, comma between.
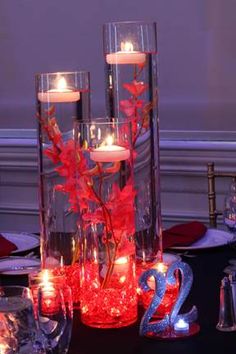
x: 136, y: 88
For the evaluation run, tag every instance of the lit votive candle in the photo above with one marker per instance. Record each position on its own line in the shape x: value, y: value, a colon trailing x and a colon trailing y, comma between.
x: 126, y: 56
x: 181, y: 326
x: 109, y: 152
x: 60, y: 94
x: 48, y: 293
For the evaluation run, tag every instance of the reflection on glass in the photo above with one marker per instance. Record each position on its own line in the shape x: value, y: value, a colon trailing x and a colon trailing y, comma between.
x: 55, y: 316
x: 18, y: 329
x: 229, y: 212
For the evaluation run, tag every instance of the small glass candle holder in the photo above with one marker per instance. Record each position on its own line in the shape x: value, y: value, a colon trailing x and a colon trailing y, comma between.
x: 63, y: 98
x: 53, y: 308
x: 47, y: 280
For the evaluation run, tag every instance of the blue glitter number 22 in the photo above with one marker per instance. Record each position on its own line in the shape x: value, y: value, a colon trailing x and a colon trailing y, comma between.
x: 147, y: 326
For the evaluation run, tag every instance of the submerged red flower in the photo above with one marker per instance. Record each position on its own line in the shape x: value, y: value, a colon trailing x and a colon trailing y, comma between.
x: 130, y: 106
x: 53, y: 154
x: 117, y: 213
x: 136, y: 88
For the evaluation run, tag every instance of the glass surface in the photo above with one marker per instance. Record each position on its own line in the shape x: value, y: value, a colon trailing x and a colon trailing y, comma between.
x: 53, y: 309
x: 106, y: 193
x: 55, y: 317
x: 18, y: 328
x: 130, y: 54
x: 229, y: 212
x: 62, y: 99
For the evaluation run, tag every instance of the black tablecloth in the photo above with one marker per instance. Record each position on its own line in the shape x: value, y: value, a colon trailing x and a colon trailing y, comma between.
x: 207, y: 268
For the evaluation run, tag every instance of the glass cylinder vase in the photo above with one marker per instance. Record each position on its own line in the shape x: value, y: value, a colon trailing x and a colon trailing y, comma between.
x: 130, y: 51
x: 62, y: 100
x: 106, y: 194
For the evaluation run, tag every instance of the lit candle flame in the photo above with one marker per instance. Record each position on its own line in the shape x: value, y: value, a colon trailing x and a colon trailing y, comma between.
x: 161, y: 267
x: 109, y: 140
x: 61, y: 84
x: 121, y: 260
x: 45, y: 276
x: 46, y: 280
x: 127, y: 47
x: 4, y: 348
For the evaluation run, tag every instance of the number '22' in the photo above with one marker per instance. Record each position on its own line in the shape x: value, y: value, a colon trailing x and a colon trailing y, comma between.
x: 146, y: 325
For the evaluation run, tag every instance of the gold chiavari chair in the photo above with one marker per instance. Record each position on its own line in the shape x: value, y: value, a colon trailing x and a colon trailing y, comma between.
x: 211, y: 176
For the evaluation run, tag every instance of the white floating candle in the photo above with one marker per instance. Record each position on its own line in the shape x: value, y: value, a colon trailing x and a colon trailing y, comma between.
x: 109, y: 152
x: 126, y: 56
x: 121, y: 265
x: 181, y: 326
x: 60, y: 94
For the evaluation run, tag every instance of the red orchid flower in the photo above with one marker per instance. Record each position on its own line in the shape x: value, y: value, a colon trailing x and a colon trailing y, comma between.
x: 130, y: 106
x: 136, y: 88
x: 52, y: 154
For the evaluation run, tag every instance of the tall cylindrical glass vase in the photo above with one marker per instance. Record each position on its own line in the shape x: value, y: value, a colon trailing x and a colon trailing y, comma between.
x: 62, y: 100
x: 130, y: 51
x: 106, y: 194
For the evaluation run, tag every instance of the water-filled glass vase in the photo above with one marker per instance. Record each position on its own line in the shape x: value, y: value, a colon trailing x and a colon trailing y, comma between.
x: 106, y: 199
x: 130, y: 54
x: 62, y: 100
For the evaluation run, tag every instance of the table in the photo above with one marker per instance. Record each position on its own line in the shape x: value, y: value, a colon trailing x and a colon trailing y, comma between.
x: 207, y: 266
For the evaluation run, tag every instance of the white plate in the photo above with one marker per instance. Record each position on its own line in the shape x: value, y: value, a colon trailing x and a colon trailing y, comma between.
x: 22, y: 240
x: 212, y: 238
x: 14, y: 262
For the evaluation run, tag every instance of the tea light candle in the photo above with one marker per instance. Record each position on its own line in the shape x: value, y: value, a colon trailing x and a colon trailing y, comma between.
x: 109, y: 152
x: 127, y: 55
x: 49, y: 303
x: 181, y: 326
x: 61, y: 94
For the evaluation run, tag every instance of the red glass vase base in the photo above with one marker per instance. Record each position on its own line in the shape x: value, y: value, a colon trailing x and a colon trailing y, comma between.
x: 171, y: 334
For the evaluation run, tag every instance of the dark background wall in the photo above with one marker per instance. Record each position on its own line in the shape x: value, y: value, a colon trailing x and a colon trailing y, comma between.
x: 197, y: 55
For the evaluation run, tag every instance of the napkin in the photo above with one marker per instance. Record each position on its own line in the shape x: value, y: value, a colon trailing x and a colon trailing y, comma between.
x: 6, y: 247
x: 183, y: 234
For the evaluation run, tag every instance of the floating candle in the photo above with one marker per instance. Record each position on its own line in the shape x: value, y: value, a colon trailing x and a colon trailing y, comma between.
x: 120, y: 269
x: 109, y: 152
x: 127, y: 55
x: 121, y: 265
x: 60, y: 94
